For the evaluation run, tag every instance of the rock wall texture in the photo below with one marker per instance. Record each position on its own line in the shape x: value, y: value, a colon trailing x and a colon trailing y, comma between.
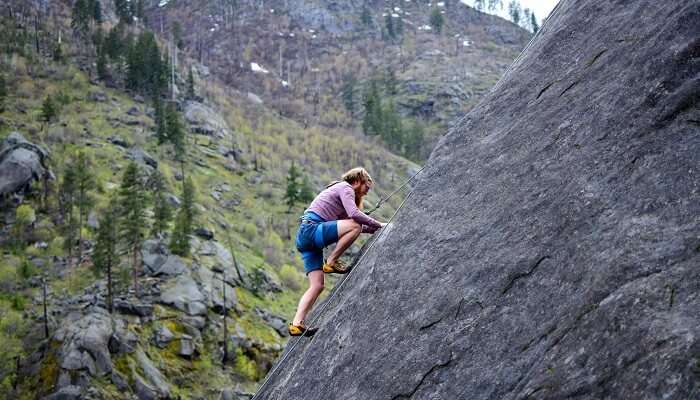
x: 551, y: 248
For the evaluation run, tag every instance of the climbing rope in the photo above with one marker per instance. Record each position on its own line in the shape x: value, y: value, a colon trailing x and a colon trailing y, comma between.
x: 336, y: 290
x: 383, y: 199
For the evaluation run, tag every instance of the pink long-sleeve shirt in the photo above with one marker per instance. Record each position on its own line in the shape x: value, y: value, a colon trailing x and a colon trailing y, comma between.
x: 338, y: 202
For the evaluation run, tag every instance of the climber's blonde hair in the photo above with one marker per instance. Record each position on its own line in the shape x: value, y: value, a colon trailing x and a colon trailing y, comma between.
x: 357, y: 174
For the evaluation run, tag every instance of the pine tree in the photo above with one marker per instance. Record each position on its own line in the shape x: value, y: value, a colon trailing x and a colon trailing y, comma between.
x: 84, y: 182
x: 372, y: 121
x: 493, y: 5
x: 348, y: 93
x: 413, y: 140
x: 162, y: 212
x: 123, y: 10
x: 390, y: 82
x: 102, y: 64
x: 389, y: 26
x: 514, y: 11
x: 49, y: 109
x: 180, y: 239
x: 105, y: 256
x: 146, y: 71
x: 138, y: 9
x: 366, y: 17
x: 82, y: 14
x: 133, y: 224
x: 392, y: 129
x: 3, y: 92
x: 67, y: 202
x: 114, y: 43
x: 97, y: 11
x: 161, y: 128
x: 306, y: 191
x: 176, y: 132
x: 291, y: 196
x: 190, y: 84
x: 533, y: 22
x: 437, y: 21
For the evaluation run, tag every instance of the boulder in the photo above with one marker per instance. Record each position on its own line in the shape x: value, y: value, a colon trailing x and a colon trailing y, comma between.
x: 188, y: 349
x: 66, y: 393
x: 279, y: 324
x: 155, y: 382
x: 140, y: 156
x: 162, y: 337
x: 205, y: 121
x: 21, y: 163
x: 118, y: 141
x: 183, y: 294
x: 133, y: 307
x: 158, y: 261
x: 172, y: 200
x: 214, y: 292
x: 92, y: 221
x: 204, y: 233
x: 84, y: 342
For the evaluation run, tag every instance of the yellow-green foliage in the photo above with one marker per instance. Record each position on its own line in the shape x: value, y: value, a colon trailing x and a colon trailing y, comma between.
x: 245, y: 366
x: 291, y: 277
x: 12, y: 329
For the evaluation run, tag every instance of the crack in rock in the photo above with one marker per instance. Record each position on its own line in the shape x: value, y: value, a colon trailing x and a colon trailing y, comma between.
x: 425, y: 376
x: 523, y: 274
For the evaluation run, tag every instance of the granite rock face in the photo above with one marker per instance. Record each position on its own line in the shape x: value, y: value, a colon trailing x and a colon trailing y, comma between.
x: 551, y: 248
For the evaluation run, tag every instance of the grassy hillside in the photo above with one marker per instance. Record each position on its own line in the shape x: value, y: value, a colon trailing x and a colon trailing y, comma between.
x: 250, y: 210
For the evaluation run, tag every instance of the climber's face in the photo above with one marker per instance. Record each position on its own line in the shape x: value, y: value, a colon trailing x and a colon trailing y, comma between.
x: 361, y: 188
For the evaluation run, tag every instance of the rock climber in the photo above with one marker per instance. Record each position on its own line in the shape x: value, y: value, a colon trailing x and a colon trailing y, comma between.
x: 334, y: 215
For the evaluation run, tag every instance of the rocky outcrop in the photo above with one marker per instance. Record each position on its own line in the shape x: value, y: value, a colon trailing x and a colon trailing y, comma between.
x: 205, y: 121
x: 550, y: 248
x: 84, y: 347
x: 21, y: 163
x: 158, y: 261
x: 183, y: 294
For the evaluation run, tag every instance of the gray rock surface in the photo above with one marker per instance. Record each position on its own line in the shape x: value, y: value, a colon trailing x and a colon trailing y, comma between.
x: 214, y: 292
x: 205, y: 121
x: 158, y: 261
x: 21, y: 163
x: 66, y: 393
x: 82, y: 351
x: 183, y: 294
x: 550, y: 249
x: 163, y: 336
x: 188, y: 349
x: 140, y: 156
x: 156, y: 382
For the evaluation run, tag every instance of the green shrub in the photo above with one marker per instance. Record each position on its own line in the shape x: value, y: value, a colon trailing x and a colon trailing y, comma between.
x: 290, y: 277
x: 245, y: 366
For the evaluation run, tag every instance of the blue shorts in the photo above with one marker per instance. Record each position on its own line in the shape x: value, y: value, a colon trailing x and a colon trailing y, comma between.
x: 312, y: 237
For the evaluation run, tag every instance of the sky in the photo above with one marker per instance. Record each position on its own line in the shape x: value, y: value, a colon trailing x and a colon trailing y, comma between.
x: 540, y: 7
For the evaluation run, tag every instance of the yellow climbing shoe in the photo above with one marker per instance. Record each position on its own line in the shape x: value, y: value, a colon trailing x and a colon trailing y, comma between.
x: 298, y: 330
x: 336, y: 268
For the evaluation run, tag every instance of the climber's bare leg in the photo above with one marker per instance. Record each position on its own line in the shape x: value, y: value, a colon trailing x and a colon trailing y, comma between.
x: 309, y: 298
x: 348, y: 232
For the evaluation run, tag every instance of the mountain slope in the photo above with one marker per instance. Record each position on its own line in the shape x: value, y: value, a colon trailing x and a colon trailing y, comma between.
x: 306, y: 53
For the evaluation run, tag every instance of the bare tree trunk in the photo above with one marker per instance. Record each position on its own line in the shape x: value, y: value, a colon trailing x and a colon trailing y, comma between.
x: 46, y: 314
x: 134, y: 258
x: 223, y: 288
x: 109, y: 285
